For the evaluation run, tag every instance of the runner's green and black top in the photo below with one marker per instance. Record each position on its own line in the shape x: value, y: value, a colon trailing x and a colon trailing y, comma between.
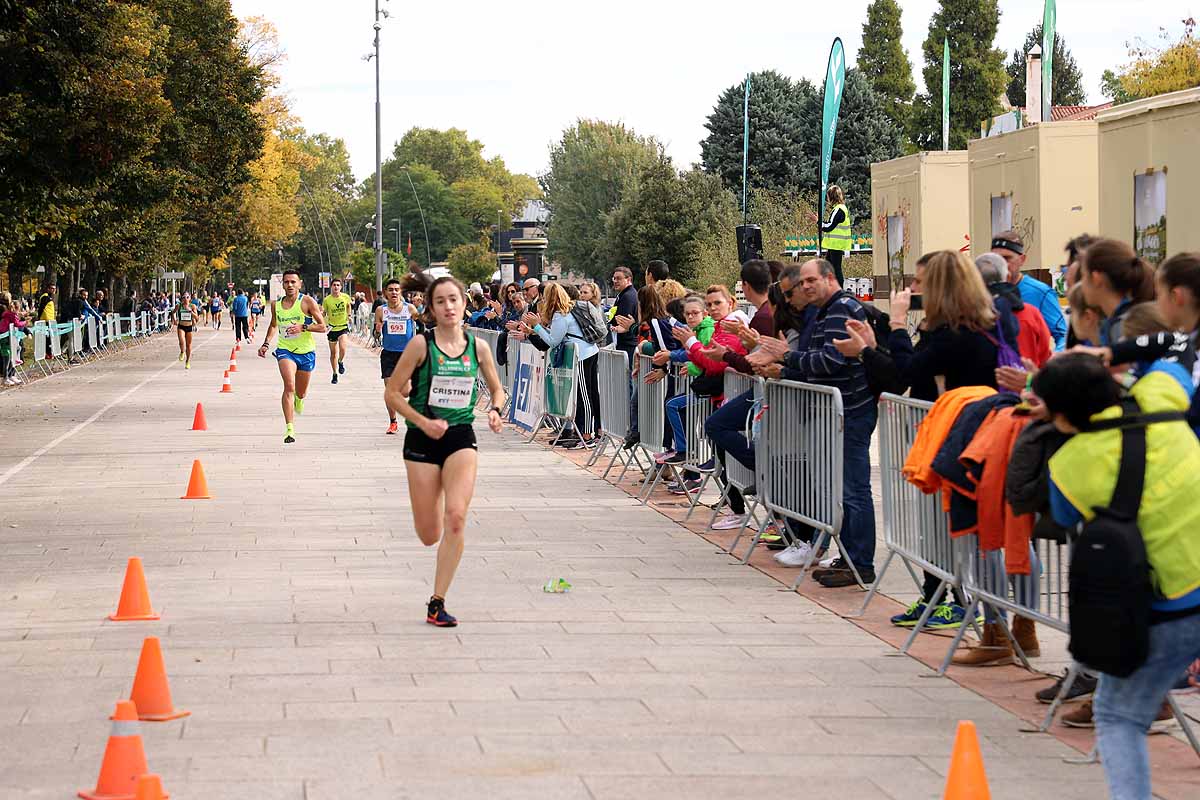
x: 444, y: 386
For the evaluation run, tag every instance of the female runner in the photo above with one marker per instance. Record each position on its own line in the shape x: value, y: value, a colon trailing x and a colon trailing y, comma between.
x: 439, y: 449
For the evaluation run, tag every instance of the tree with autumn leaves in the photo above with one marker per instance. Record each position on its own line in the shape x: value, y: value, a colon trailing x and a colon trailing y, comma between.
x: 142, y: 136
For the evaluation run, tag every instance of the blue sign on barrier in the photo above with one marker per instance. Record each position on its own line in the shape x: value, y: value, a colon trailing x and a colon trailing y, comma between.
x: 528, y: 376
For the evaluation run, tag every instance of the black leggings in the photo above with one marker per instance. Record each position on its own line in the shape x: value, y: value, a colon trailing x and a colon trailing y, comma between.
x: 587, y: 400
x: 241, y: 327
x: 835, y: 257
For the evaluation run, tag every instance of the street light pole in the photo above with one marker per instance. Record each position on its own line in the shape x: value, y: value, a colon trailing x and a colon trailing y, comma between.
x: 499, y: 267
x: 397, y: 221
x: 379, y: 263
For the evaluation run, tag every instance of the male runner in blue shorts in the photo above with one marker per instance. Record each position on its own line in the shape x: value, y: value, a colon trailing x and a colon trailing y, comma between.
x: 296, y: 351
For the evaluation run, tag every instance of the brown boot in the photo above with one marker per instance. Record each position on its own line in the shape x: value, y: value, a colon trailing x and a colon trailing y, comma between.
x: 992, y: 651
x: 1025, y: 632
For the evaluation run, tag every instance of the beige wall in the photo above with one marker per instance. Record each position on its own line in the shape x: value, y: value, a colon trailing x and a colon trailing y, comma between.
x: 1049, y: 171
x: 1159, y: 133
x: 930, y: 190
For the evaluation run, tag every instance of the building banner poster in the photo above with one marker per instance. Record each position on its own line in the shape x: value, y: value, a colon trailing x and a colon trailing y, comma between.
x: 895, y: 250
x: 1150, y: 215
x: 529, y: 375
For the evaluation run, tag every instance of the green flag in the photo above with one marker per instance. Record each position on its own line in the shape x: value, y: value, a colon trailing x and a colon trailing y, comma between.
x: 835, y: 82
x: 946, y: 93
x: 1048, y: 21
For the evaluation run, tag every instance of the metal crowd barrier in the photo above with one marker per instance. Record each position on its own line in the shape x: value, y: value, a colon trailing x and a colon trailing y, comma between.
x: 735, y: 474
x: 701, y: 457
x: 56, y: 346
x: 612, y: 370
x: 652, y: 418
x: 559, y: 388
x: 492, y: 339
x: 915, y: 527
x: 802, y: 476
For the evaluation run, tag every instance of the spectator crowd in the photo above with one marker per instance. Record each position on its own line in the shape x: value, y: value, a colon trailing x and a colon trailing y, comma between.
x: 1041, y: 419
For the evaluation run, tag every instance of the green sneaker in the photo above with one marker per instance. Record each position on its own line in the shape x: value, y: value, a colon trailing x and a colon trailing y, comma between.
x: 298, y: 404
x: 946, y: 616
x: 911, y: 615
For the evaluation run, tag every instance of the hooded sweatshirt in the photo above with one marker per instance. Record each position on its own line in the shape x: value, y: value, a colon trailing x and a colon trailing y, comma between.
x: 1033, y: 337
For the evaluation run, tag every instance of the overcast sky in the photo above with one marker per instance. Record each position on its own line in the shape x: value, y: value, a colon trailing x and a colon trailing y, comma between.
x: 515, y: 76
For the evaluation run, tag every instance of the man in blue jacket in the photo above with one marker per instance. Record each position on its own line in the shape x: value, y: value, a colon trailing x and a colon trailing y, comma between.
x: 1011, y: 247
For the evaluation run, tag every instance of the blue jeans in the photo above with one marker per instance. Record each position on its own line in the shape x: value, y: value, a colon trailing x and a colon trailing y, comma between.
x: 675, y: 410
x: 1125, y: 707
x: 1026, y: 589
x: 726, y: 427
x: 858, y: 509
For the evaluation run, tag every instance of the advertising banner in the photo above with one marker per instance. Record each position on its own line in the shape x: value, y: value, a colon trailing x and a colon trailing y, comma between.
x: 1150, y: 216
x: 529, y: 375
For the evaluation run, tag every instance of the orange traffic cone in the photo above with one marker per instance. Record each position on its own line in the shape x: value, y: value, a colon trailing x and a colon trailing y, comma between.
x: 135, y: 598
x: 199, y: 423
x: 226, y: 387
x: 966, y: 779
x: 197, y: 485
x: 124, y: 758
x: 149, y: 787
x: 233, y: 361
x: 151, y: 693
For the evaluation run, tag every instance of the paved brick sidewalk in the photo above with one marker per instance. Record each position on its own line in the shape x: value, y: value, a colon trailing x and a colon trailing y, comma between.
x: 292, y: 621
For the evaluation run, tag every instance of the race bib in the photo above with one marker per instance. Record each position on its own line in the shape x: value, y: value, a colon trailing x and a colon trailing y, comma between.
x: 185, y: 317
x: 283, y: 332
x: 451, y: 392
x: 397, y: 327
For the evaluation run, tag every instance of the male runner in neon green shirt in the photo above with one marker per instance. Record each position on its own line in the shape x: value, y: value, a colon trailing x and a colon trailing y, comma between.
x: 337, y: 317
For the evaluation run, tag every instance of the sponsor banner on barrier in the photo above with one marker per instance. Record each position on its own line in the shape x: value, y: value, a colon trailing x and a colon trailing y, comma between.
x: 529, y: 375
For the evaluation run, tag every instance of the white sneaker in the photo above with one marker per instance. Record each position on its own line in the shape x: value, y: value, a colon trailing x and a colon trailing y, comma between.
x: 826, y: 563
x: 729, y: 522
x: 795, y: 555
x: 9, y: 382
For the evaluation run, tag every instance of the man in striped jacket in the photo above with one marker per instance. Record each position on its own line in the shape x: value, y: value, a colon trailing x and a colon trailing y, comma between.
x: 822, y: 364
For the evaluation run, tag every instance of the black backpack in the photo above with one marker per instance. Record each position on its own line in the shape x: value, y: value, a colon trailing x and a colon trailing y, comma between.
x: 1110, y: 587
x: 881, y: 377
x: 593, y: 332
x: 881, y: 323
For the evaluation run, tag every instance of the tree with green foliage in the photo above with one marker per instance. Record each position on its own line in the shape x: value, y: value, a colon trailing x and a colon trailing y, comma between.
x: 214, y: 132
x: 473, y: 262
x: 1067, y: 83
x: 777, y: 157
x: 1157, y: 69
x: 977, y: 76
x: 884, y: 61
x: 668, y: 216
x: 865, y: 135
x: 591, y: 168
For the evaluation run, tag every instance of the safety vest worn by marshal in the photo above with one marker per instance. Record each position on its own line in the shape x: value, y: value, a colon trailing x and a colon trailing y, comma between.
x: 840, y: 238
x: 302, y: 342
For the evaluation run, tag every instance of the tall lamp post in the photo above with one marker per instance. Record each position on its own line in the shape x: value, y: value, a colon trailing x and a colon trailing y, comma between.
x: 391, y: 273
x: 379, y: 257
x: 499, y: 266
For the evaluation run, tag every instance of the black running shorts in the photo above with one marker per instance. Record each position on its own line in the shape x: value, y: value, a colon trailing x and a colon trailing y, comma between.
x: 420, y: 448
x: 333, y: 336
x: 388, y: 359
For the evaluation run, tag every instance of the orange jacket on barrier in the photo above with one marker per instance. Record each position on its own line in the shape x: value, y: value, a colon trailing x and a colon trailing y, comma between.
x: 998, y: 525
x: 931, y: 433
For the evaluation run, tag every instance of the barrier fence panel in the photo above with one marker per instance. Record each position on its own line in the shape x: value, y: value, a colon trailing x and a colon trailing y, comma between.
x: 677, y: 386
x: 915, y: 527
x: 652, y: 399
x: 492, y: 340
x: 612, y: 368
x: 559, y: 389
x: 76, y: 338
x: 701, y: 458
x: 735, y: 474
x: 803, y: 425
